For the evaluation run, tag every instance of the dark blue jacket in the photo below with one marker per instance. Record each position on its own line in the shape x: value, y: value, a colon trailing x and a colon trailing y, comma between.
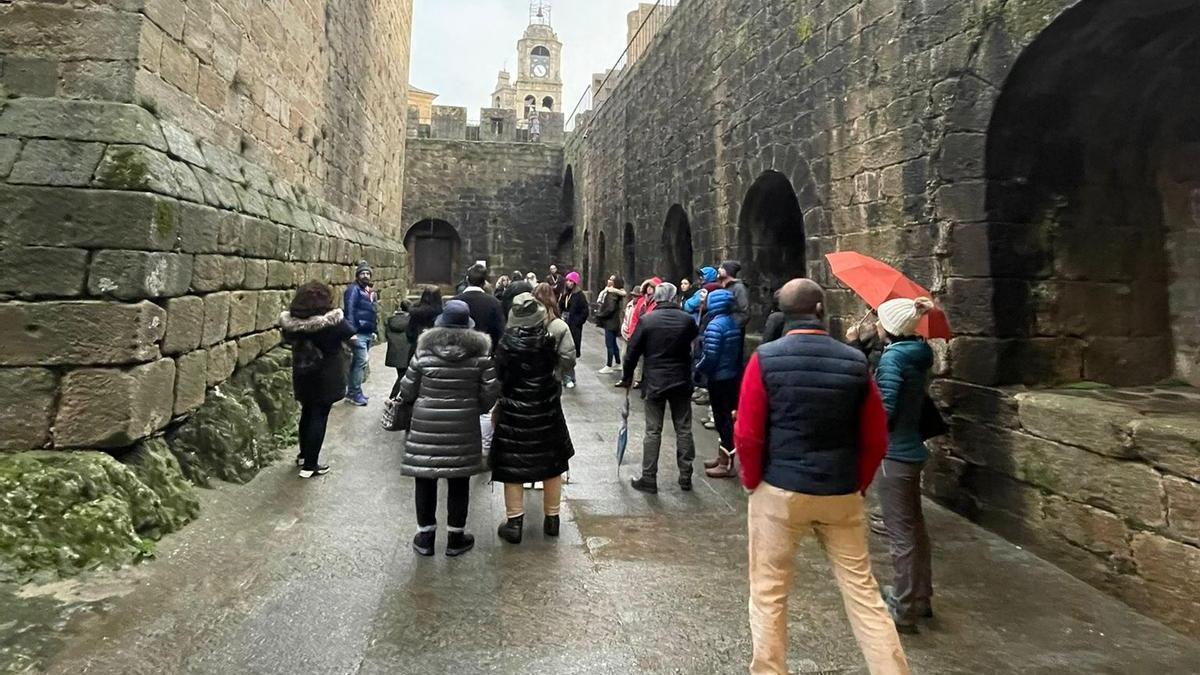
x: 902, y: 375
x: 816, y: 387
x: 360, y: 311
x: 721, y: 359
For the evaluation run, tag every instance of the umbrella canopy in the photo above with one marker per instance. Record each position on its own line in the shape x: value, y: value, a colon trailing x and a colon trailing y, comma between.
x: 623, y: 432
x: 877, y: 282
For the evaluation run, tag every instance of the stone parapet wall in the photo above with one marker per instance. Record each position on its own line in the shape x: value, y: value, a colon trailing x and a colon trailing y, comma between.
x: 503, y: 199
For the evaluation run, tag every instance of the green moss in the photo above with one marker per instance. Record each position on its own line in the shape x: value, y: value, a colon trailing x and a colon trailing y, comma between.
x: 124, y: 169
x: 164, y: 219
x: 63, y: 512
x: 804, y: 29
x: 1086, y: 386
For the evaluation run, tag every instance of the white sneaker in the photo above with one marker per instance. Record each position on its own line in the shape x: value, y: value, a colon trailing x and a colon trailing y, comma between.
x: 605, y: 370
x: 570, y: 384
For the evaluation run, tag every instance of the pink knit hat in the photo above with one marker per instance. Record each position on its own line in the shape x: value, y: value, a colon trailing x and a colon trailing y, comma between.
x: 574, y: 278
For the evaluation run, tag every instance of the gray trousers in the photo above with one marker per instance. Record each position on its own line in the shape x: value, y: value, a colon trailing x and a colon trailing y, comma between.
x: 900, y: 495
x: 681, y: 419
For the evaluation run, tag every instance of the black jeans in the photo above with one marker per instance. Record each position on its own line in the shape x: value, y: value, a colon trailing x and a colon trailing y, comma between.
x: 723, y: 396
x: 399, y: 378
x: 313, y: 419
x: 458, y: 500
x: 614, y: 350
x: 681, y: 419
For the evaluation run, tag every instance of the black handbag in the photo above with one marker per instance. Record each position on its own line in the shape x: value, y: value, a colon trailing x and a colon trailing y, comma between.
x: 397, y: 415
x: 932, y: 424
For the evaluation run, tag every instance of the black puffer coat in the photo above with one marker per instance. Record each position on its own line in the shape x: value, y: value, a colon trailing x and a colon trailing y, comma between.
x: 531, y: 441
x: 452, y: 382
x: 328, y: 332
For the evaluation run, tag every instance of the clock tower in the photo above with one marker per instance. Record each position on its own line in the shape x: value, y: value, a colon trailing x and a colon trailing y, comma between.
x: 539, y: 64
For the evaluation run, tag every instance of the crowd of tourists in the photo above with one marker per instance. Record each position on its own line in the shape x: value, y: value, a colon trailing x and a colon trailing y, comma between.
x: 807, y: 422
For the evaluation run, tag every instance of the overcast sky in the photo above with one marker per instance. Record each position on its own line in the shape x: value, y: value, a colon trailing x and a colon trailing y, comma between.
x: 459, y: 45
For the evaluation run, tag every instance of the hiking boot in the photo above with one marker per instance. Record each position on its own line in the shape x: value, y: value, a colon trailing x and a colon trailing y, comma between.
x: 512, y: 529
x: 310, y: 471
x: 459, y: 543
x: 550, y: 526
x: 423, y: 543
x: 650, y: 487
x: 685, y: 483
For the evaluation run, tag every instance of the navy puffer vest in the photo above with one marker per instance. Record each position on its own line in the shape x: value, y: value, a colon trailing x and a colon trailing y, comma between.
x: 816, y: 387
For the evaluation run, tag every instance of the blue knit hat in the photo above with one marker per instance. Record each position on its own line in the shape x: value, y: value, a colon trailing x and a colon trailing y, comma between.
x: 709, y: 274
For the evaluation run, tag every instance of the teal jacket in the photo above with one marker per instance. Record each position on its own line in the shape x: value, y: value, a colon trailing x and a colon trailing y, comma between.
x: 902, y: 375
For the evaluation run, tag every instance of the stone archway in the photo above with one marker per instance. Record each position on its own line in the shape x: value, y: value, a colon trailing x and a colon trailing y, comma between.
x: 1084, y: 198
x: 771, y: 240
x: 433, y: 249
x: 601, y: 269
x: 677, y: 245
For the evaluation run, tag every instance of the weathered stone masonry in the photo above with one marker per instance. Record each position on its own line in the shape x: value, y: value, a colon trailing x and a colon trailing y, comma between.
x: 1031, y: 161
x: 169, y: 171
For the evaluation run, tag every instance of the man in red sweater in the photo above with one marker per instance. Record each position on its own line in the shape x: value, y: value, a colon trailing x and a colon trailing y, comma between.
x: 811, y: 430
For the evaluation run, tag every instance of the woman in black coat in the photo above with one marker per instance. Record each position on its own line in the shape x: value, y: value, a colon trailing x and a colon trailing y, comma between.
x: 531, y: 441
x: 317, y: 333
x: 422, y: 316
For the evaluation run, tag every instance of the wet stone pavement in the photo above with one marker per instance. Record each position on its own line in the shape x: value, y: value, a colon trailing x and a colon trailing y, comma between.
x: 291, y: 576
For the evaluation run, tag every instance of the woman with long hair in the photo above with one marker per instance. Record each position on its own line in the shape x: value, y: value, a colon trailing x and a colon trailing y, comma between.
x: 608, y: 316
x: 903, y: 376
x: 317, y: 332
x: 531, y: 441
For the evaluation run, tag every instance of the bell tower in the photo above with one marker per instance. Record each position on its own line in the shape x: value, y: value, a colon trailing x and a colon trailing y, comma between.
x: 539, y: 64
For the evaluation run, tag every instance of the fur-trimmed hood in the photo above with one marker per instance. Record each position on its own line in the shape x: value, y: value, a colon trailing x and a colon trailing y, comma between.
x: 454, y: 344
x: 313, y: 324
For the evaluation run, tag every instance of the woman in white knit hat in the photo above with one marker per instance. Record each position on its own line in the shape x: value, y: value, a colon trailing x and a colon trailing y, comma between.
x: 903, y: 375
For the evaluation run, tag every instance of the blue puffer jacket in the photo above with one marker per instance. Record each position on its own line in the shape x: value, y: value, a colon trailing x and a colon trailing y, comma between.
x: 902, y: 375
x: 722, y: 355
x: 360, y: 311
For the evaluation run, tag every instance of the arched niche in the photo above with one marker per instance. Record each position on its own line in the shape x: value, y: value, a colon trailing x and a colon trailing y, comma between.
x: 677, y: 245
x: 629, y: 252
x: 771, y: 240
x: 433, y: 247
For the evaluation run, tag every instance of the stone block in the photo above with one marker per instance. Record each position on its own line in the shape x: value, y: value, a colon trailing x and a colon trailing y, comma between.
x: 69, y: 217
x: 217, y: 272
x: 185, y: 324
x: 1127, y: 361
x: 169, y: 15
x: 1000, y: 250
x: 79, y: 333
x: 1096, y: 530
x: 222, y: 361
x: 279, y: 274
x: 21, y: 76
x: 243, y: 306
x: 270, y: 304
x: 97, y: 80
x: 182, y: 144
x: 992, y: 361
x: 69, y: 33
x: 191, y: 381
x: 1183, y: 508
x: 132, y: 275
x: 1104, y: 427
x: 1167, y: 562
x: 1171, y: 443
x: 111, y: 408
x: 27, y: 398
x: 36, y: 271
x: 975, y: 403
x: 179, y: 67
x: 256, y: 274
x: 100, y: 121
x: 9, y: 149
x: 248, y: 348
x: 52, y: 162
x: 216, y: 318
x: 134, y: 167
x: 218, y: 192
x: 961, y: 202
x: 199, y: 228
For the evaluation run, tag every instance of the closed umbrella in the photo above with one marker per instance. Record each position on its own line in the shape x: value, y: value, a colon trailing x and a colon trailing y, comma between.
x: 623, y: 433
x: 877, y: 282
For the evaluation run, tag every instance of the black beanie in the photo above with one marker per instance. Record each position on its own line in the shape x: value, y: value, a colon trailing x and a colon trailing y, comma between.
x: 732, y: 267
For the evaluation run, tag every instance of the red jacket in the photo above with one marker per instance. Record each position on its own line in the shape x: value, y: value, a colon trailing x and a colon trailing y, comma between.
x: 750, y: 430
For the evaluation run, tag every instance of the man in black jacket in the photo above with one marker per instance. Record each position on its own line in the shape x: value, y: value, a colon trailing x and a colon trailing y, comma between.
x: 664, y: 337
x: 486, y: 309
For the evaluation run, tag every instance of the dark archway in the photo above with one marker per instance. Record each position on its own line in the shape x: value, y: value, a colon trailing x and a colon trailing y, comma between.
x: 770, y: 240
x: 587, y: 260
x: 677, y: 245
x: 601, y: 269
x: 1081, y: 153
x: 629, y: 252
x: 567, y: 200
x: 433, y: 248
x: 548, y: 102
x: 564, y: 249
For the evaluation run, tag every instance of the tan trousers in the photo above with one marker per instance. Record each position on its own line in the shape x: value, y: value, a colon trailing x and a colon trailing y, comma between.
x: 778, y: 519
x: 514, y: 497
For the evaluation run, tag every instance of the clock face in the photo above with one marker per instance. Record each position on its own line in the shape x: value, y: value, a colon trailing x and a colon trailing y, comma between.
x: 540, y: 70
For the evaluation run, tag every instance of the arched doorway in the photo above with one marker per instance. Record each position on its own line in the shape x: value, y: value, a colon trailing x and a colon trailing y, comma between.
x: 601, y: 269
x: 1091, y: 174
x: 433, y: 247
x: 629, y: 253
x: 770, y: 239
x: 677, y: 245
x: 587, y: 260
x: 564, y: 249
x: 564, y: 252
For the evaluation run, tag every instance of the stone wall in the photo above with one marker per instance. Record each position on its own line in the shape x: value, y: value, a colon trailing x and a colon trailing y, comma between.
x: 503, y: 200
x: 169, y: 172
x: 955, y: 141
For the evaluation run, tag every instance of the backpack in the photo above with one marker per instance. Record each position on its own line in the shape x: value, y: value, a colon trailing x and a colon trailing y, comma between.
x: 307, y: 358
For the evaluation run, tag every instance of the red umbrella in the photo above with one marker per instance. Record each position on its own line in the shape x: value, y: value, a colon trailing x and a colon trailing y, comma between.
x: 877, y: 282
